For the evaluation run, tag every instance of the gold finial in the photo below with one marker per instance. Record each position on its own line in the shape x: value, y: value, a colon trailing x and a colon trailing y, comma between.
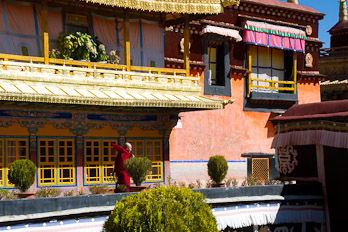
x: 293, y: 1
x: 343, y: 10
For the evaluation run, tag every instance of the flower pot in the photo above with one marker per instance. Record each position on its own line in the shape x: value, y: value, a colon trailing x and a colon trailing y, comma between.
x: 221, y: 185
x: 137, y: 188
x: 26, y: 195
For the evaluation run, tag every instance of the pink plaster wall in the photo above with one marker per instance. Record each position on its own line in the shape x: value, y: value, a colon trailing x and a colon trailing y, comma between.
x: 229, y: 132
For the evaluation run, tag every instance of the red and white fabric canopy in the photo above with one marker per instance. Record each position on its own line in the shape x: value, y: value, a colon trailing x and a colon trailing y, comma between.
x: 269, y: 35
x: 234, y: 34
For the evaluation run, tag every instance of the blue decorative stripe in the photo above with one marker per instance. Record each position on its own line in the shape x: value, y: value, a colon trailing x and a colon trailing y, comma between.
x: 37, y: 30
x: 265, y: 45
x: 117, y: 35
x: 204, y: 161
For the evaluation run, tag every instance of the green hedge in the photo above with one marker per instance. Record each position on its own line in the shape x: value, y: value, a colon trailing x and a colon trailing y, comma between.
x: 168, y: 209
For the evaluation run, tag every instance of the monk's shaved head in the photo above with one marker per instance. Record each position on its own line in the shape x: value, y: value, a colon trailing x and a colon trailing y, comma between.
x: 128, y: 146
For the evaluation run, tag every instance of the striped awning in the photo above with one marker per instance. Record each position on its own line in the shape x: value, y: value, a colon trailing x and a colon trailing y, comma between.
x: 172, y: 6
x: 269, y: 35
x: 89, y: 95
x: 234, y: 34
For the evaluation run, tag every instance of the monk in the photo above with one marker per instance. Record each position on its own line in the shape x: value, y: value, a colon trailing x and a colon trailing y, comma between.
x: 123, y: 155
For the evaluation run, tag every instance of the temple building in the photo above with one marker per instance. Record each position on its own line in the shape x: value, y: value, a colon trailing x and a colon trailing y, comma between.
x: 333, y: 60
x: 63, y: 103
x: 264, y: 55
x: 216, y: 73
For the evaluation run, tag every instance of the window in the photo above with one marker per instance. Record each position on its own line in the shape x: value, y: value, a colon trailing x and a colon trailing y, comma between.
x: 92, y: 161
x: 216, y: 57
x: 109, y: 156
x: 76, y: 23
x: 151, y: 149
x: 11, y: 149
x: 56, y: 161
x: 269, y: 67
x: 99, y: 160
x: 216, y: 65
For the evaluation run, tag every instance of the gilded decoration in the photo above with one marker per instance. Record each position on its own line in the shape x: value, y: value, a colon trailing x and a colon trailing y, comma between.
x: 171, y: 6
x: 309, y: 60
x: 309, y: 30
x: 287, y: 159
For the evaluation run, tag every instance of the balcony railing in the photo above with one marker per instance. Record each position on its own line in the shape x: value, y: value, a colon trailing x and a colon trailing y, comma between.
x: 84, y: 64
x: 271, y: 86
x: 79, y: 72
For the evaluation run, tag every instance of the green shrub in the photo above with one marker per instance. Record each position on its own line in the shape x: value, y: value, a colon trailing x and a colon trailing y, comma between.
x: 48, y: 192
x: 22, y: 174
x: 138, y: 168
x: 165, y: 209
x: 217, y: 168
x: 6, y: 194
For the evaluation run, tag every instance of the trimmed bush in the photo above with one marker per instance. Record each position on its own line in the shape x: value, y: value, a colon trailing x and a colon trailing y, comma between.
x: 168, y: 209
x: 22, y: 174
x: 138, y: 168
x: 217, y: 168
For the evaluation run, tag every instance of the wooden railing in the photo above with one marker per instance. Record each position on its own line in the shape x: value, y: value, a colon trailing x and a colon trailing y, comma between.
x: 273, y: 85
x: 84, y: 64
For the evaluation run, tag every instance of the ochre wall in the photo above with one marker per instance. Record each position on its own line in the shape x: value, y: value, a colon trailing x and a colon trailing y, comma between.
x: 308, y: 92
x: 14, y: 130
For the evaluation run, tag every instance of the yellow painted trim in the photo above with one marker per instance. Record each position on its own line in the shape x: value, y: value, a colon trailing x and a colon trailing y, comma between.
x: 66, y: 163
x: 111, y: 160
x: 89, y: 165
x: 2, y: 163
x: 127, y: 58
x: 249, y: 68
x: 47, y: 165
x: 16, y: 155
x: 187, y: 46
x: 44, y: 25
x: 295, y: 71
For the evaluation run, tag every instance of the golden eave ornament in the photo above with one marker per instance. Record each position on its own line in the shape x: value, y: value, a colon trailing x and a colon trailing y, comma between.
x: 171, y: 6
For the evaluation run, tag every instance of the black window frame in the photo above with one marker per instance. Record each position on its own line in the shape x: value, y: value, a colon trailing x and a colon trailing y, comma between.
x: 220, y: 90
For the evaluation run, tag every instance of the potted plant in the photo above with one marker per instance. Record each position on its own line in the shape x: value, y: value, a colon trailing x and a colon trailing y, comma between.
x: 217, y: 169
x: 138, y: 168
x: 79, y: 46
x: 22, y: 175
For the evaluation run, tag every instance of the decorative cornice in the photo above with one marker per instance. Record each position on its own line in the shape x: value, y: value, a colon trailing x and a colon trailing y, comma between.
x: 173, y: 6
x: 239, y: 70
x: 201, y: 104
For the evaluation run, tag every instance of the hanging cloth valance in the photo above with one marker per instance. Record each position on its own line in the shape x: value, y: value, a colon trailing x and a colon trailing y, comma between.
x: 265, y: 34
x: 234, y: 34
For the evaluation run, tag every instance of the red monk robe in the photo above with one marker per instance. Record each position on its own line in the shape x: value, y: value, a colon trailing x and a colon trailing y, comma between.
x: 122, y: 175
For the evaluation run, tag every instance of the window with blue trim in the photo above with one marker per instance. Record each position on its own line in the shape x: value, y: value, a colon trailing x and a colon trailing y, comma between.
x: 11, y: 149
x: 56, y: 162
x: 99, y: 159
